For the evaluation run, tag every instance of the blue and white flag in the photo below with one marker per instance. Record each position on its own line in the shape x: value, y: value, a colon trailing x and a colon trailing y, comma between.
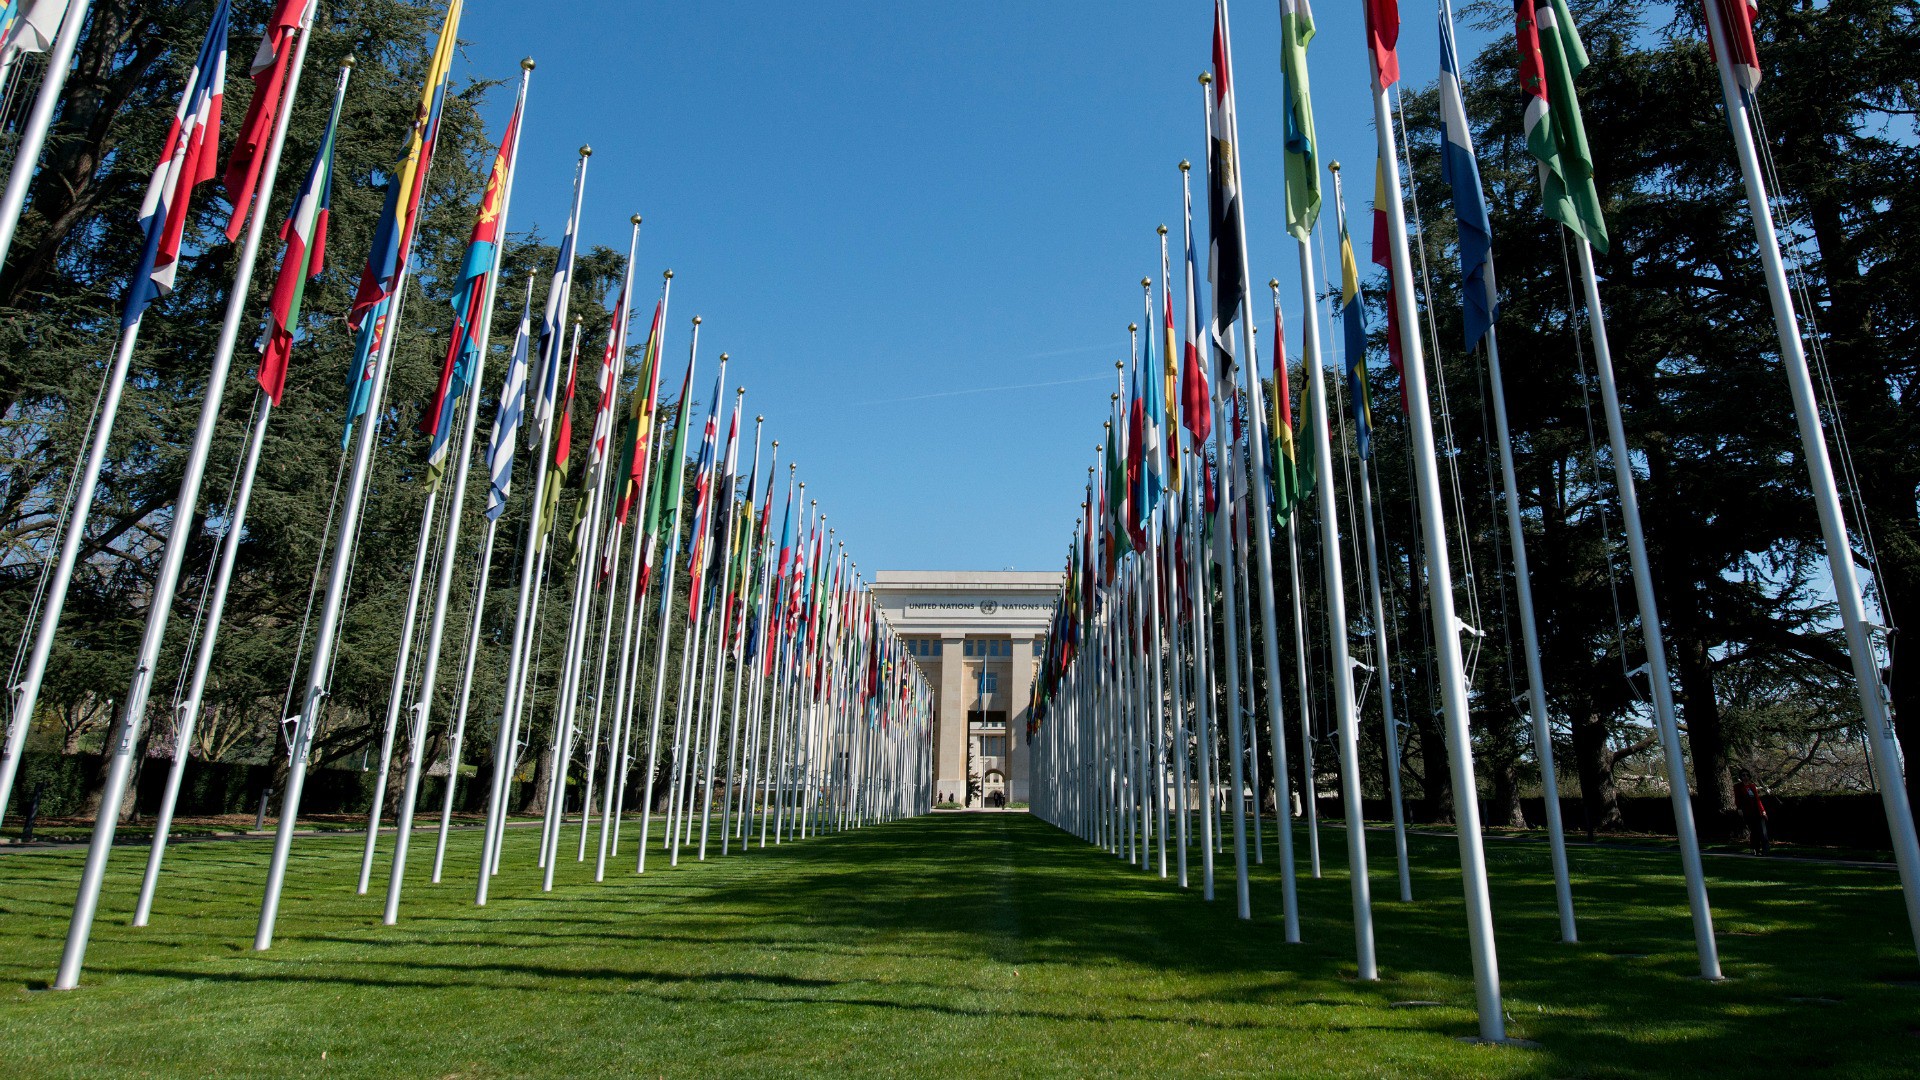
x: 506, y: 424
x: 1457, y: 167
x: 553, y: 337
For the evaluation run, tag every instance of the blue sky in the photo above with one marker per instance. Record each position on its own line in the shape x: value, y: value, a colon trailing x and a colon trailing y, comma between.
x: 918, y: 229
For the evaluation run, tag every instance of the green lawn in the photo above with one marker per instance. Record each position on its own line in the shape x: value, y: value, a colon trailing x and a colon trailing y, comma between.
x: 951, y: 947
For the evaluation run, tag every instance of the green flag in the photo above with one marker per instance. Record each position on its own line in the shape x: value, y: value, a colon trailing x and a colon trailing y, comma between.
x: 1550, y: 57
x: 1302, y: 152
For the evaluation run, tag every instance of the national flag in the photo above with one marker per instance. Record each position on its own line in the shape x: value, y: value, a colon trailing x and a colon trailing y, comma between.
x: 1226, y: 265
x: 469, y: 306
x: 1736, y: 18
x: 1152, y: 451
x: 1170, y: 357
x: 1353, y: 315
x: 506, y: 422
x: 1383, y: 34
x: 1461, y: 172
x: 305, y: 233
x: 703, y: 500
x: 188, y: 158
x: 1296, y: 119
x: 1550, y: 57
x: 1383, y: 258
x: 1115, y: 523
x: 610, y: 366
x: 1286, y: 463
x: 393, y: 236
x: 633, y: 459
x: 663, y: 496
x: 1133, y: 513
x: 1196, y: 401
x: 553, y: 320
x: 29, y: 26
x: 776, y: 596
x: 269, y: 72
x: 562, y: 447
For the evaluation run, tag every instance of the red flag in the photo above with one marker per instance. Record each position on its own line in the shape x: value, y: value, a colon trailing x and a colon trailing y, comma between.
x: 1383, y: 256
x: 1736, y: 17
x: 269, y: 73
x: 1383, y: 34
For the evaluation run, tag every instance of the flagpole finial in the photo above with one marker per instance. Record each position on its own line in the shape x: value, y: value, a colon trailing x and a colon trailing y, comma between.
x: 586, y: 151
x: 348, y: 62
x: 1147, y: 283
x: 1206, y: 79
x: 696, y: 320
x: 1185, y: 165
x: 1132, y: 328
x: 1274, y: 284
x: 723, y: 358
x: 739, y: 391
x: 1162, y: 230
x: 526, y: 63
x: 760, y: 419
x: 635, y: 219
x: 790, y: 465
x: 1333, y: 166
x: 668, y: 275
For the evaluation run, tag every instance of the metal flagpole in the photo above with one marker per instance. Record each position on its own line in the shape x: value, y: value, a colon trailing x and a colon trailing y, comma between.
x: 504, y: 752
x: 666, y: 605
x: 1650, y: 631
x: 1446, y: 625
x: 33, y: 136
x: 1198, y: 585
x: 742, y: 675
x: 133, y: 709
x: 189, y: 710
x: 725, y: 553
x: 1342, y: 662
x: 449, y: 547
x: 1826, y: 496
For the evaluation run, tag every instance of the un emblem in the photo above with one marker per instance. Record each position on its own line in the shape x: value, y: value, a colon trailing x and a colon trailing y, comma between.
x: 988, y: 607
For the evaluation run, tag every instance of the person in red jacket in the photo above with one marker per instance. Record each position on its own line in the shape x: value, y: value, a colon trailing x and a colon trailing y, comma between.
x: 1748, y: 796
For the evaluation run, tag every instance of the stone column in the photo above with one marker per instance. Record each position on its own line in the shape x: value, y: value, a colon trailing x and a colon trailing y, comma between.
x: 1019, y: 708
x: 952, y: 749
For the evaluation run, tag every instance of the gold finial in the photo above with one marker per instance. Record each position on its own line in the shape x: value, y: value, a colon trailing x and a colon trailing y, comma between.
x: 739, y: 391
x: 696, y: 320
x: 1333, y: 166
x: 776, y: 442
x: 586, y: 151
x: 723, y: 358
x: 526, y: 64
x: 1185, y: 165
x: 1162, y: 230
x: 760, y: 419
x: 347, y: 63
x: 791, y: 466
x: 635, y: 219
x: 1132, y: 328
x: 1146, y: 283
x: 1274, y: 284
x: 578, y: 319
x: 669, y: 275
x: 1206, y: 79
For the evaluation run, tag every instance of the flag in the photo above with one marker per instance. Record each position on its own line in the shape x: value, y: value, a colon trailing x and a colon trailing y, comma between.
x: 1152, y: 451
x: 562, y: 448
x: 703, y: 500
x: 1383, y: 34
x: 269, y: 73
x: 1133, y: 513
x: 664, y: 495
x: 1353, y: 314
x: 393, y: 235
x: 1461, y: 173
x: 506, y: 422
x: 782, y: 571
x: 1736, y: 18
x: 1383, y: 257
x: 1286, y: 479
x: 1115, y: 520
x: 1170, y: 357
x: 610, y: 365
x: 305, y: 233
x: 1196, y: 403
x: 188, y: 158
x: 29, y: 27
x: 1550, y: 57
x: 1296, y: 119
x: 552, y: 321
x: 1226, y: 266
x: 633, y: 459
x: 469, y: 306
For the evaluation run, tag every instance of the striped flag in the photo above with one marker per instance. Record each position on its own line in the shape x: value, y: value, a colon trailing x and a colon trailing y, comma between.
x: 1354, y: 322
x: 506, y: 422
x: 1170, y: 357
x: 1383, y: 34
x: 469, y: 307
x: 664, y: 496
x: 1461, y: 173
x: 29, y: 27
x: 1550, y: 57
x: 1302, y: 151
x: 609, y: 385
x: 269, y: 72
x: 562, y: 447
x: 1287, y: 483
x: 1226, y: 269
x: 1152, y: 451
x: 188, y: 158
x: 1383, y: 258
x: 553, y: 319
x: 1196, y: 403
x: 703, y: 500
x: 633, y: 459
x: 1737, y: 17
x: 305, y: 232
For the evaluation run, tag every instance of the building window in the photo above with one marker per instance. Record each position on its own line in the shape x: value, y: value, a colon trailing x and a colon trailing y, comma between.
x: 993, y: 746
x: 1039, y: 648
x: 991, y: 682
x: 995, y: 719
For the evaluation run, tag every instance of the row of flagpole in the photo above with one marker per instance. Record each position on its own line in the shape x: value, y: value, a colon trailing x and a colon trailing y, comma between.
x: 1112, y: 749
x: 835, y: 732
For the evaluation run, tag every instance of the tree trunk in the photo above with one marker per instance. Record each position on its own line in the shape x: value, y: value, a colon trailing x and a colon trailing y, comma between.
x: 1598, y: 795
x: 1706, y: 736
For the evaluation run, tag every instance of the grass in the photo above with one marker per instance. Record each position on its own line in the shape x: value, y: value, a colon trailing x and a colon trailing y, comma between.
x: 949, y: 946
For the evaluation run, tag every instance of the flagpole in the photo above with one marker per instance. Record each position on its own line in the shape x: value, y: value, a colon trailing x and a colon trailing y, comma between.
x: 504, y: 753
x: 26, y: 693
x: 33, y: 136
x: 666, y: 601
x: 189, y: 710
x: 718, y: 696
x: 1826, y: 497
x: 179, y: 534
x: 741, y: 674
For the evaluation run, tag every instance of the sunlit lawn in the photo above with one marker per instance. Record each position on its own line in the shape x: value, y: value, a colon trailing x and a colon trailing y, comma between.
x: 952, y: 946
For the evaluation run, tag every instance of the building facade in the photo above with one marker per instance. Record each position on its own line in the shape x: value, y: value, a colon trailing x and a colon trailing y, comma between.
x: 977, y: 637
